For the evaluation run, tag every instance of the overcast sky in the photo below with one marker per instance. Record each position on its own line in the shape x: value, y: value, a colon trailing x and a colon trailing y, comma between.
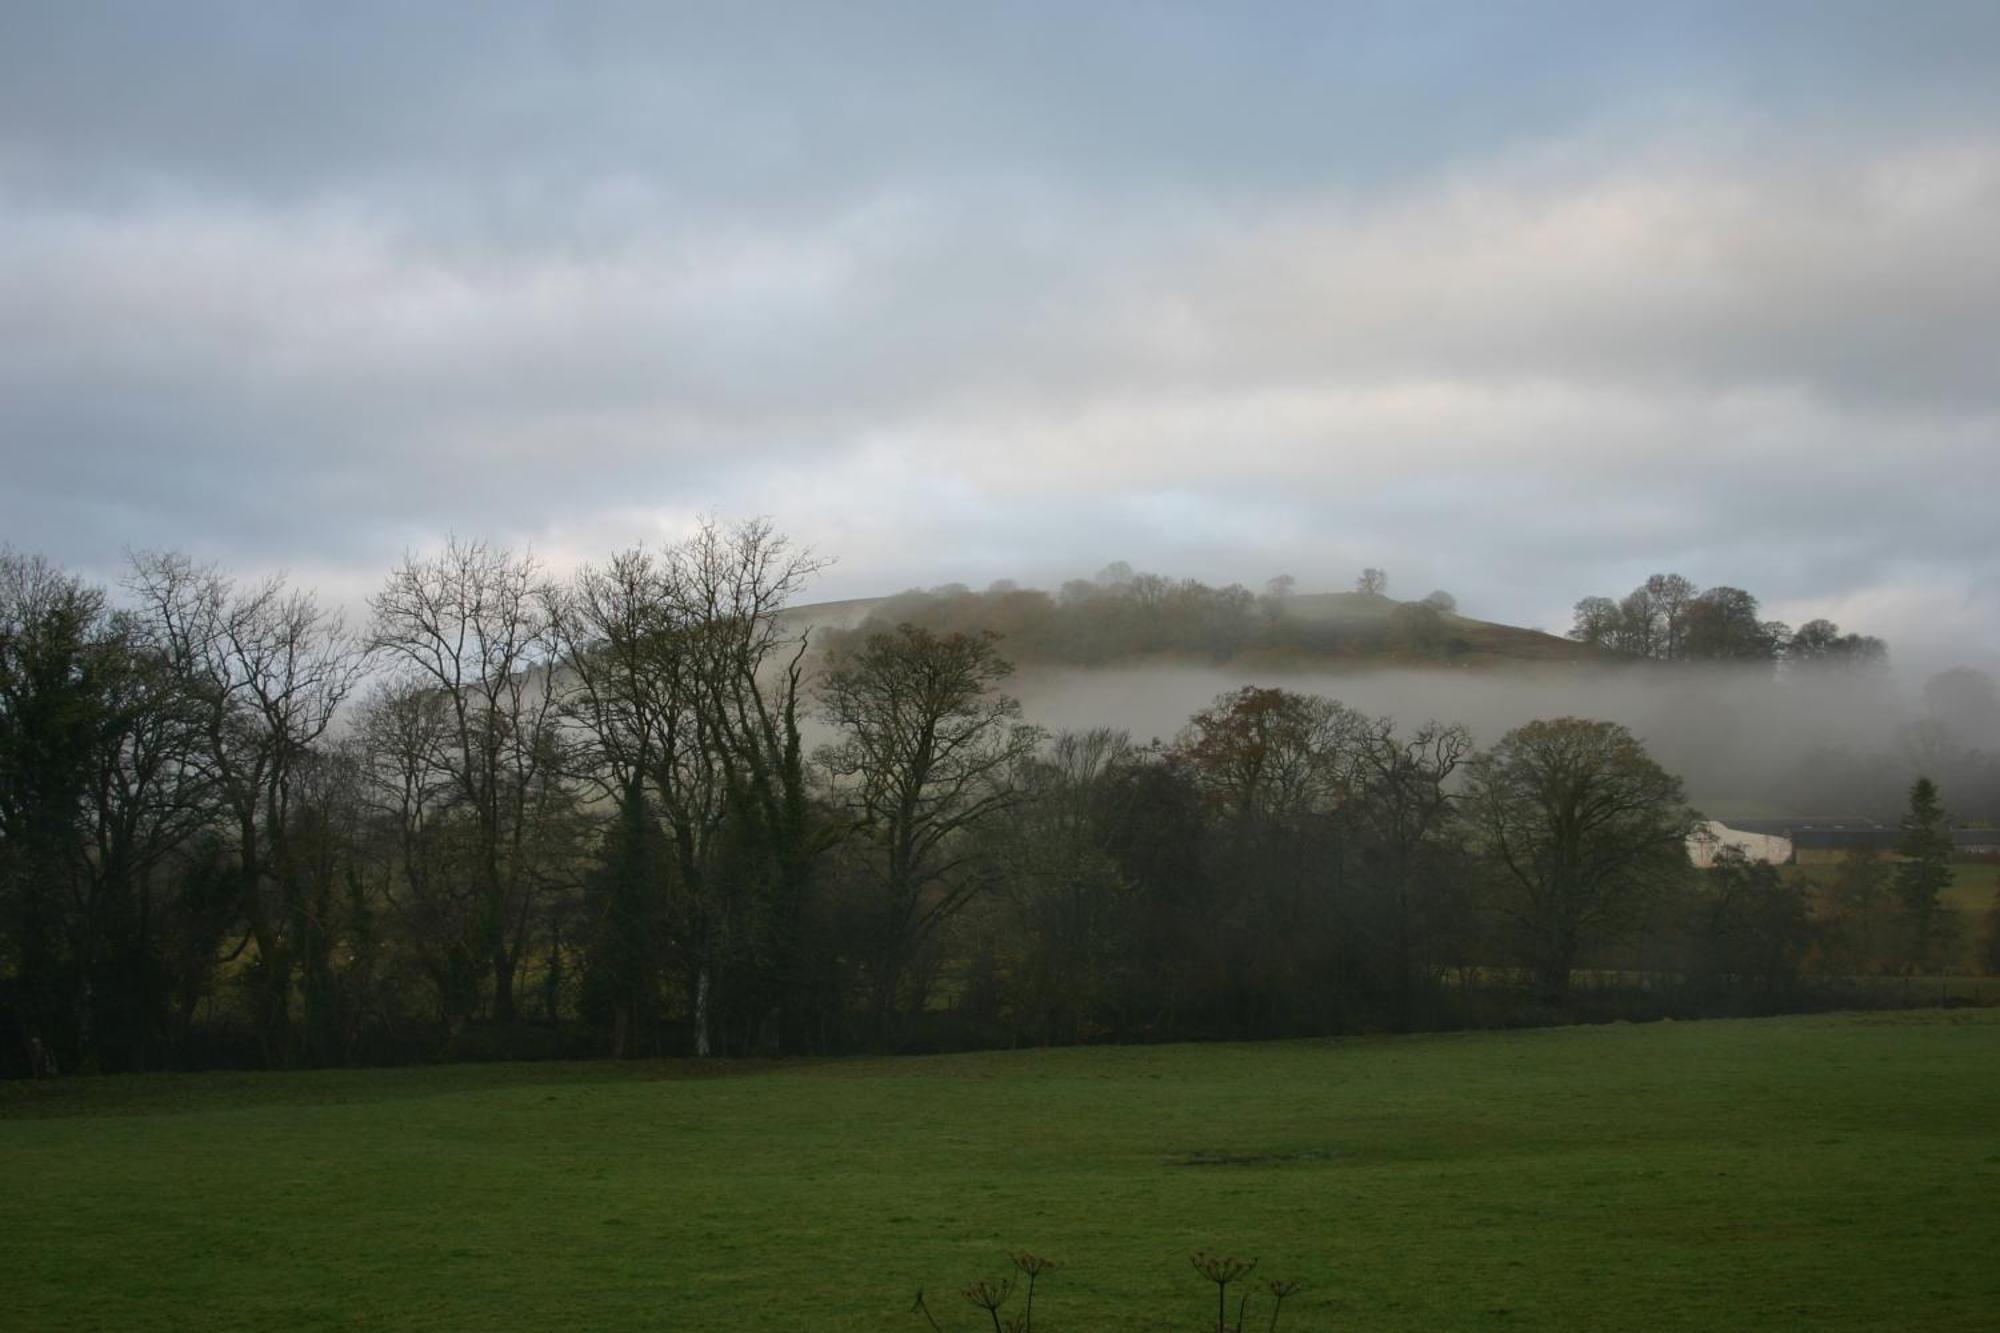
x: 1522, y: 301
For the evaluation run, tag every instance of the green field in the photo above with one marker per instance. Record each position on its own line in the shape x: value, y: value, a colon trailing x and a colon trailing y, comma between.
x: 1824, y: 1172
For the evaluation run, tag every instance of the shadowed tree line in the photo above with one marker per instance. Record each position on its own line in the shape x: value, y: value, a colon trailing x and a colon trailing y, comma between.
x: 1122, y: 614
x: 628, y: 812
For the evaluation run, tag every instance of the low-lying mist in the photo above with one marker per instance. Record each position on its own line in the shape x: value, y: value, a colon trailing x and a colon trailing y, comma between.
x: 1745, y: 742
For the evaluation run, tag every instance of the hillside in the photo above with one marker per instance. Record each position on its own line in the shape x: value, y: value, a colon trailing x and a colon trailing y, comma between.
x: 1152, y: 620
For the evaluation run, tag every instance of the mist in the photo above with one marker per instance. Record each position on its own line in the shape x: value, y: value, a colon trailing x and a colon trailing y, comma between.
x: 1745, y: 742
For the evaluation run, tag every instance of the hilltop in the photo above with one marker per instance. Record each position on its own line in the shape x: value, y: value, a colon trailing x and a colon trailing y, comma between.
x: 1148, y: 619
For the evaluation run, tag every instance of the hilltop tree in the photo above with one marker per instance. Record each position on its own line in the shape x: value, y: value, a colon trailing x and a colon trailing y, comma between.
x: 1924, y: 873
x: 1582, y: 829
x: 1668, y: 598
x: 1722, y: 626
x: 1372, y: 583
x: 1819, y: 643
x: 1597, y: 622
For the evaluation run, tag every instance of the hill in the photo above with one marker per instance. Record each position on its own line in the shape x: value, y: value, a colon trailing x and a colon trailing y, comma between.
x: 1147, y: 619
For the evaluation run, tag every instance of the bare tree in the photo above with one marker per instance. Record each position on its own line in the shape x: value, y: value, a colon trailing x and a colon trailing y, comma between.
x: 683, y: 674
x: 926, y: 746
x: 1373, y: 583
x: 1404, y: 819
x: 629, y: 662
x: 1669, y: 597
x: 729, y: 585
x: 475, y: 624
x: 270, y: 667
x: 406, y: 727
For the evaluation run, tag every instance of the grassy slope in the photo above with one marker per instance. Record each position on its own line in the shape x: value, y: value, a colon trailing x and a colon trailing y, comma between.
x: 1830, y: 1172
x: 1972, y: 893
x: 1487, y: 643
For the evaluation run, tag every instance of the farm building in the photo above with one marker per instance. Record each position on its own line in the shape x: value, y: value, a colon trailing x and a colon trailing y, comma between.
x: 1821, y: 841
x: 1709, y: 841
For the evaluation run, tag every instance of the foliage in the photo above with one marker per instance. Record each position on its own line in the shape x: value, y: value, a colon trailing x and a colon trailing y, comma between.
x: 1581, y: 829
x: 1668, y: 619
x: 544, y: 816
x: 1923, y: 874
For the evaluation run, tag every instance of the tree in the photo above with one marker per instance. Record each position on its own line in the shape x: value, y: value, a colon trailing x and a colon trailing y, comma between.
x: 52, y: 713
x: 1404, y: 820
x: 924, y: 752
x: 1372, y: 583
x: 1582, y: 829
x: 1065, y: 900
x: 269, y: 668
x: 1440, y: 600
x: 1722, y: 626
x: 1597, y: 622
x: 1638, y: 632
x: 1751, y: 926
x: 1270, y: 755
x: 1923, y: 874
x: 1417, y: 626
x: 1820, y: 644
x: 474, y: 623
x: 430, y: 884
x: 1966, y: 703
x: 622, y: 974
x: 1857, y: 902
x: 1668, y: 597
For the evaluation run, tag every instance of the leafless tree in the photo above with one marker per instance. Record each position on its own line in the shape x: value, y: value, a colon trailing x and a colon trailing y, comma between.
x: 682, y: 672
x: 269, y: 667
x: 475, y: 623
x: 1404, y: 819
x: 926, y: 745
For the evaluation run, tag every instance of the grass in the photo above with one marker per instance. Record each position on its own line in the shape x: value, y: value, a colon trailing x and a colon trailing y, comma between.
x: 1823, y: 1172
x: 1966, y: 902
x: 1973, y: 883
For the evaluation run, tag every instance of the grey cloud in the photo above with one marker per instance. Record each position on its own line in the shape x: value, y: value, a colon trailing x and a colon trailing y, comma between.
x: 1526, y: 303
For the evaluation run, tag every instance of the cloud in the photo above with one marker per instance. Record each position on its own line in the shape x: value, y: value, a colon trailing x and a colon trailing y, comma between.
x: 956, y: 298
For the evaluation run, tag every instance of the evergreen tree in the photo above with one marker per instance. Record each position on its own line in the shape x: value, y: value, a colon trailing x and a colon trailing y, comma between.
x: 1924, y: 874
x: 622, y: 976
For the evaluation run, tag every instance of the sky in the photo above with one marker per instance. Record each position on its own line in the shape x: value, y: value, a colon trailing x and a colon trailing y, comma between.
x: 1521, y: 301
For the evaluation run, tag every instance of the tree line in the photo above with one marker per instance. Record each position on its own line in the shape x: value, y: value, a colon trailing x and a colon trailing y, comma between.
x: 1122, y: 614
x: 636, y: 811
x: 1669, y: 619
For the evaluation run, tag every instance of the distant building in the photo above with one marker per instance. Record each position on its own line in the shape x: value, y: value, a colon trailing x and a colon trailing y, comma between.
x: 1822, y: 842
x: 1708, y: 841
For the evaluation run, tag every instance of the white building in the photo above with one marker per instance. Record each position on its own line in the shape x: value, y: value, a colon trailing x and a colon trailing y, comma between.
x: 1708, y: 840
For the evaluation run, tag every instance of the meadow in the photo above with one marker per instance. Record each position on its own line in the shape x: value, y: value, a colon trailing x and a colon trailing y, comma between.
x: 1834, y: 1171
